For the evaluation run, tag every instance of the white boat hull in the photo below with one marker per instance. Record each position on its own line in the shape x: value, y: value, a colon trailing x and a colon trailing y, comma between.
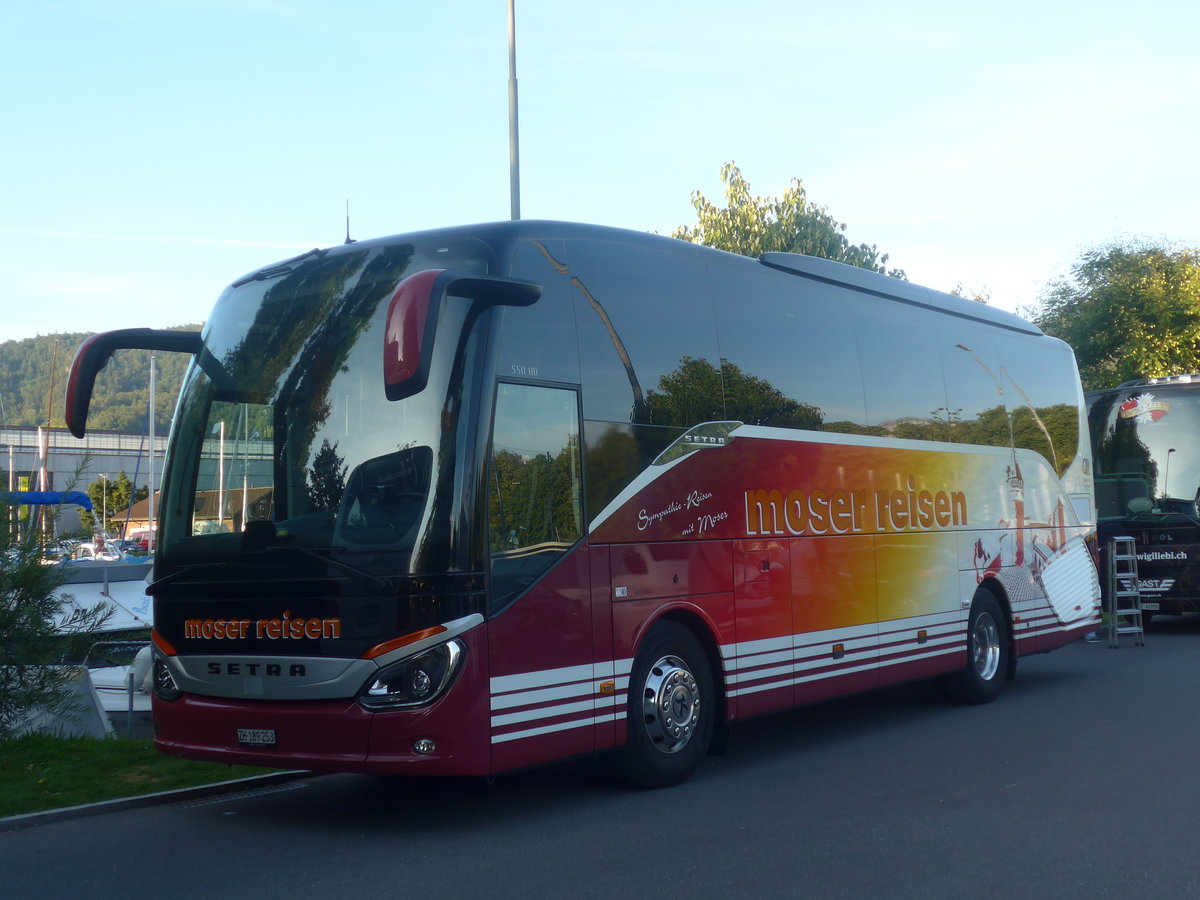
x: 121, y: 584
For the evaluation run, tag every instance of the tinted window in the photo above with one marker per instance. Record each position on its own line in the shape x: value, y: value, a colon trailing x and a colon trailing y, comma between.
x: 1144, y: 440
x: 648, y: 348
x: 535, y: 480
x: 902, y: 370
x: 975, y: 395
x: 616, y: 454
x: 788, y: 348
x: 539, y: 341
x: 1041, y: 388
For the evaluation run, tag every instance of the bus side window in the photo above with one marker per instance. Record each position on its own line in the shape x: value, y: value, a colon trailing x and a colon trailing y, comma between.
x: 1043, y: 408
x: 647, y: 334
x: 539, y: 341
x: 902, y: 371
x: 976, y: 412
x: 535, y: 486
x: 789, y: 352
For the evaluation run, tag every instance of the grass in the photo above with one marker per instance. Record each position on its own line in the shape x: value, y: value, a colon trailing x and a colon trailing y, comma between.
x: 38, y: 772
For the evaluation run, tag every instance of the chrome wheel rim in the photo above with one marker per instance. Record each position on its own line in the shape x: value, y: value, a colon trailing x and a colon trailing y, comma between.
x: 985, y: 646
x: 671, y: 705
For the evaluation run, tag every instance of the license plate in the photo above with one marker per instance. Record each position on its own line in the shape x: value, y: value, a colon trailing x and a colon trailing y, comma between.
x: 256, y: 737
x: 1146, y: 604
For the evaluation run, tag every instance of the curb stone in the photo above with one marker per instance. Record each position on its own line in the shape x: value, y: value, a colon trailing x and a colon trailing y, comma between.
x: 46, y: 816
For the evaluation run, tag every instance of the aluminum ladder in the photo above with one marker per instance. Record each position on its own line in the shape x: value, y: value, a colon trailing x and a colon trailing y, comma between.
x: 1124, y: 605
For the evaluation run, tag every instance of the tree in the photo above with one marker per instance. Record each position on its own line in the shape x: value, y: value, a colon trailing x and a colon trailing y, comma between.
x: 326, y: 478
x: 753, y: 225
x: 696, y: 391
x: 111, y: 495
x: 980, y: 295
x: 33, y: 374
x: 1129, y: 310
x: 31, y: 644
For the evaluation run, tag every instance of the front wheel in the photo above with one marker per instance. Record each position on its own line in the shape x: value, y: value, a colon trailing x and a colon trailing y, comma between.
x: 988, y: 653
x: 671, y: 709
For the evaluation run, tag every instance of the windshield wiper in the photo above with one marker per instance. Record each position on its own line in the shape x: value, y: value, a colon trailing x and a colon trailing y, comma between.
x: 282, y: 268
x: 383, y: 584
x: 152, y: 587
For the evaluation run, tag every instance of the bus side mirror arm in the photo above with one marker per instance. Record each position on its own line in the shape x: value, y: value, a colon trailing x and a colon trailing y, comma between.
x: 413, y: 314
x: 94, y: 353
x: 494, y: 291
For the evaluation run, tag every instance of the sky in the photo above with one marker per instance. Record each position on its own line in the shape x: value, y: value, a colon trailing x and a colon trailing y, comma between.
x: 153, y: 151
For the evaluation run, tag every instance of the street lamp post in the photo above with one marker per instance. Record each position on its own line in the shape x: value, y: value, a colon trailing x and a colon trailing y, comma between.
x: 104, y: 504
x: 514, y: 154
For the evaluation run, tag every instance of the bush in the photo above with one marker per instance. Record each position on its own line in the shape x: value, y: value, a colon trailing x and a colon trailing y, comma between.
x: 32, y: 647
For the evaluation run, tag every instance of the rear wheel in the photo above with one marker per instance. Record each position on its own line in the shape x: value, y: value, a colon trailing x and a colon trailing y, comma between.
x: 671, y: 709
x: 988, y: 654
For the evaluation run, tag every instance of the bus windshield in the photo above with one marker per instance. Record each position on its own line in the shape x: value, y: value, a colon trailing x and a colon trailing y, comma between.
x: 297, y: 432
x: 1146, y: 457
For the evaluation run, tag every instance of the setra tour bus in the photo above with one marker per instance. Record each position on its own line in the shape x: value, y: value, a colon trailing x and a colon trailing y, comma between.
x: 1148, y: 484
x: 474, y: 499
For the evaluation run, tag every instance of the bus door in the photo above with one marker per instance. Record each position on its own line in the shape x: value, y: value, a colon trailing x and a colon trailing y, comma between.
x: 762, y: 671
x: 543, y: 685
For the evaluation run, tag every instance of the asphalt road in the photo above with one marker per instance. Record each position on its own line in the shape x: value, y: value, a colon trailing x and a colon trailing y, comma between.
x: 1082, y: 780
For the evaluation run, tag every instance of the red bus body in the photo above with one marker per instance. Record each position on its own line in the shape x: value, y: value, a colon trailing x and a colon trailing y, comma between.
x: 590, y: 486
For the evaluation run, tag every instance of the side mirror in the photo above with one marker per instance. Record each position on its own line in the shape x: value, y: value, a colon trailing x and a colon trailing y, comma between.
x: 412, y: 320
x: 94, y: 353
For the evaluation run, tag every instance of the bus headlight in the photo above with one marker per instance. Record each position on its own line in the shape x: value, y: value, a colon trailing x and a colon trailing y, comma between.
x: 414, y: 681
x: 165, y: 687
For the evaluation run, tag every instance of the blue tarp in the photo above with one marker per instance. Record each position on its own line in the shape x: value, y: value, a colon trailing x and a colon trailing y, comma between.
x: 50, y: 498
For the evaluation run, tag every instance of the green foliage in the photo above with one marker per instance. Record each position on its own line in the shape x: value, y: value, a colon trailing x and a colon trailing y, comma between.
x: 120, y: 496
x: 981, y: 295
x: 534, y: 499
x: 1129, y: 311
x: 1052, y: 431
x: 753, y: 225
x: 697, y: 392
x: 33, y: 381
x: 31, y: 646
x: 326, y: 478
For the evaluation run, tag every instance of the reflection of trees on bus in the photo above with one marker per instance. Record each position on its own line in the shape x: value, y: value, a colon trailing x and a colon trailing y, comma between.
x: 1058, y: 443
x: 1126, y: 467
x: 697, y: 391
x: 326, y: 478
x: 532, y: 499
x: 339, y: 296
x: 1120, y: 450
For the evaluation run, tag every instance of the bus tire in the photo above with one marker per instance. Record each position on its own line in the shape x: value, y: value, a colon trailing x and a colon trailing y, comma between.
x: 988, y: 654
x: 671, y: 710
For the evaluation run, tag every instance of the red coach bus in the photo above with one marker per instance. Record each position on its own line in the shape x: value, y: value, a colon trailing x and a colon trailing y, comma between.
x: 469, y: 500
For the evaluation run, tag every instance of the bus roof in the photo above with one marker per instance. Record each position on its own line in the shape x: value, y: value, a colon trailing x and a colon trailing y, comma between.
x: 811, y: 267
x: 867, y: 281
